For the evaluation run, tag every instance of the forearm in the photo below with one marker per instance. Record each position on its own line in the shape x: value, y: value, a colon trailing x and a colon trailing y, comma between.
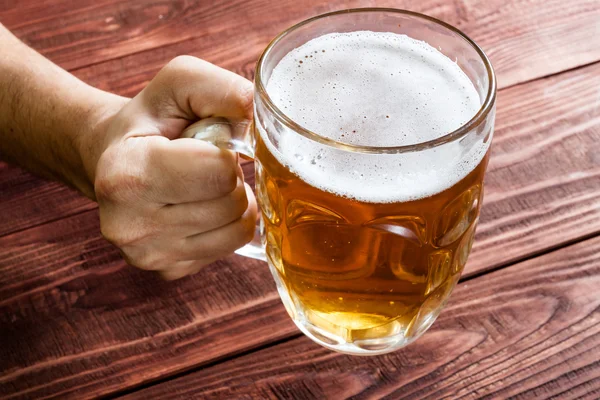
x: 50, y: 121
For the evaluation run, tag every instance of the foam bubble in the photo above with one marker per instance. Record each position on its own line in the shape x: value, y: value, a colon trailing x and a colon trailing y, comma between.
x: 376, y: 89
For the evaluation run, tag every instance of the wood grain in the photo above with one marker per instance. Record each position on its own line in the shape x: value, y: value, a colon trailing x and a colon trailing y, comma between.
x: 528, y: 331
x: 27, y: 201
x: 521, y: 36
x: 93, y: 325
x: 119, y: 47
x: 78, y: 322
x: 543, y: 180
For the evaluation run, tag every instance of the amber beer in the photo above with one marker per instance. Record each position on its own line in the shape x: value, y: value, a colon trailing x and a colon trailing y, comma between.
x: 370, y: 149
x: 365, y: 270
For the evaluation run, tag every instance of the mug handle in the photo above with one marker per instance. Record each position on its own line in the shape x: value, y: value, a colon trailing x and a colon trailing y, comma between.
x: 237, y: 137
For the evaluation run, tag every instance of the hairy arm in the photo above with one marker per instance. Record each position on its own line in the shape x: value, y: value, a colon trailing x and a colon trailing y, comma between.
x: 171, y: 205
x: 50, y: 121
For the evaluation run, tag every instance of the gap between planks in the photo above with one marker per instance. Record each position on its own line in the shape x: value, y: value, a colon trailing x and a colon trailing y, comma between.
x: 293, y: 336
x: 500, y: 90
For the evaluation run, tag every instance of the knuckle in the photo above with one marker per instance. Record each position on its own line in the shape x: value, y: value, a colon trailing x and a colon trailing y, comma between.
x: 121, y: 186
x: 173, y: 274
x: 182, y: 61
x: 246, y: 95
x: 120, y: 181
x: 118, y: 236
x: 145, y: 258
x: 152, y: 261
x: 132, y: 183
x: 124, y: 232
x: 108, y: 233
x: 241, y: 92
x: 179, y: 65
x: 104, y: 188
x: 111, y: 230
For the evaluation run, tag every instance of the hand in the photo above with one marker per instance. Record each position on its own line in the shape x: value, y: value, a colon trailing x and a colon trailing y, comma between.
x: 173, y: 205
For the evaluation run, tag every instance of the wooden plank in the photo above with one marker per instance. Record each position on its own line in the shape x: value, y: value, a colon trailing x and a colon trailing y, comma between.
x: 76, y: 322
x: 528, y: 331
x: 107, y: 327
x: 547, y: 43
x: 18, y: 13
x: 81, y: 36
x: 543, y: 180
x: 550, y: 37
x: 26, y: 200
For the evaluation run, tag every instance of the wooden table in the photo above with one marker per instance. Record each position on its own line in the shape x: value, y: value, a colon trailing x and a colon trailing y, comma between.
x: 77, y: 322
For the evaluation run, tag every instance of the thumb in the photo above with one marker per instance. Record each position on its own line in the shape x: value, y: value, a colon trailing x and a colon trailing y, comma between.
x: 190, y: 88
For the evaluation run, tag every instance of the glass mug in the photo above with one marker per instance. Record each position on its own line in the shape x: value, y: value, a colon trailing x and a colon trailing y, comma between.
x: 357, y: 277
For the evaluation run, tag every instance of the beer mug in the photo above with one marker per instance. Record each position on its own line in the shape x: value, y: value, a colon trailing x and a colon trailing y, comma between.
x: 366, y: 218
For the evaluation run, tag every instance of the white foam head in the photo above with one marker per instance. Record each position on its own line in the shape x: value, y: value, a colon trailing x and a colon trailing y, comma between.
x: 375, y: 89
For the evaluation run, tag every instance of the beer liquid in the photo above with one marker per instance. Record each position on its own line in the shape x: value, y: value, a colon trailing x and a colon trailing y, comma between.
x: 366, y: 248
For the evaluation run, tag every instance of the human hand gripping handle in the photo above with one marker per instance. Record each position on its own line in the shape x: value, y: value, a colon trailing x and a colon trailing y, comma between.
x: 174, y: 204
x: 235, y: 136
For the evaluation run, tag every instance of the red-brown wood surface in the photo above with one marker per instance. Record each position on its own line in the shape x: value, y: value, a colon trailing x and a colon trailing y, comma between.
x: 536, y: 199
x: 76, y: 322
x: 27, y: 201
x: 518, y: 33
x: 531, y: 330
x: 525, y: 40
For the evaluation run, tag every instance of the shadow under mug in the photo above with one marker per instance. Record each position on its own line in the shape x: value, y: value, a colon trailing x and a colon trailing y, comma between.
x: 361, y: 278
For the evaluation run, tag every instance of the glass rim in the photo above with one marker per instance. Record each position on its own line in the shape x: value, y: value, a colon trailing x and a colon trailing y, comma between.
x: 462, y: 131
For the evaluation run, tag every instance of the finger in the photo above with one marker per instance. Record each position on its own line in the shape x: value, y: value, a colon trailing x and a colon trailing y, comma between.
x: 223, y: 240
x: 185, y: 268
x: 198, y: 217
x: 198, y: 89
x: 189, y: 170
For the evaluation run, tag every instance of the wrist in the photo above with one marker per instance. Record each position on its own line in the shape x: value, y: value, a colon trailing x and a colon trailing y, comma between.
x: 94, y: 139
